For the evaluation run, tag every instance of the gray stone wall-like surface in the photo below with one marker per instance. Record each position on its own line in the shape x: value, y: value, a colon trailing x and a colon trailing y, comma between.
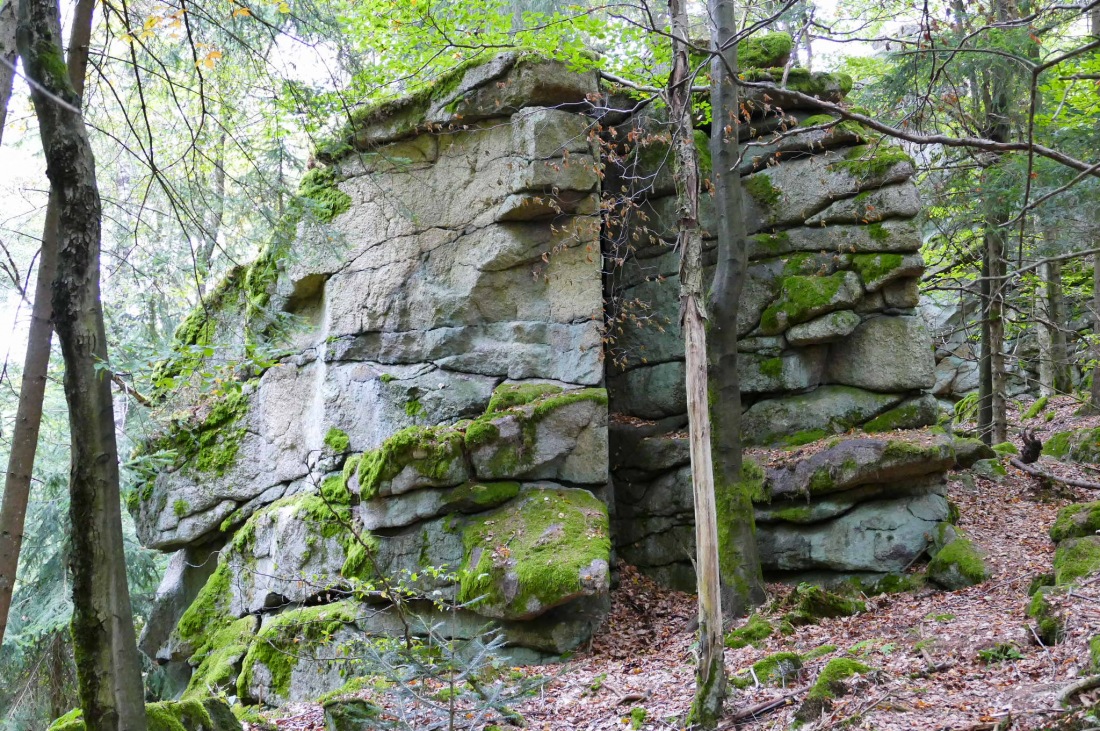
x: 441, y: 399
x: 831, y: 340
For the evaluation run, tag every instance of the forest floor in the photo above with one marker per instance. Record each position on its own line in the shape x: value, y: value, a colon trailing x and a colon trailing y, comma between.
x: 924, y: 645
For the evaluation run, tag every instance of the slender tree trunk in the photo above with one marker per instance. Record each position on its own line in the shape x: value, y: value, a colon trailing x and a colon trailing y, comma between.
x: 710, y: 672
x: 108, y: 667
x: 28, y: 414
x: 1094, y: 391
x: 212, y: 217
x: 8, y: 54
x: 985, y: 371
x: 1056, y: 306
x: 1094, y: 30
x: 742, y: 582
x: 995, y: 315
x: 1044, y: 332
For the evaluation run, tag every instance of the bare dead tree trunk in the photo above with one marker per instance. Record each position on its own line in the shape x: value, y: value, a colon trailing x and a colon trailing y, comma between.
x: 710, y: 671
x: 108, y: 666
x: 742, y: 582
x: 28, y: 414
x: 213, y: 216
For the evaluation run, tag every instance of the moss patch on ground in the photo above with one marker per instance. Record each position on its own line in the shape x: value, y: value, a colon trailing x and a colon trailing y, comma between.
x: 810, y: 603
x: 829, y: 685
x: 756, y: 629
x: 209, y: 714
x: 778, y: 669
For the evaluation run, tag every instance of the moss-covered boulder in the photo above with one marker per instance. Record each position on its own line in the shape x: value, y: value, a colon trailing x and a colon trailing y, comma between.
x: 765, y: 50
x: 958, y: 564
x: 301, y: 653
x: 544, y: 549
x: 1080, y: 445
x: 1044, y: 608
x: 556, y: 436
x: 1076, y: 558
x: 861, y: 461
x: 968, y: 451
x: 780, y: 669
x: 206, y: 714
x: 805, y: 297
x: 832, y: 681
x: 1076, y: 521
x: 411, y: 459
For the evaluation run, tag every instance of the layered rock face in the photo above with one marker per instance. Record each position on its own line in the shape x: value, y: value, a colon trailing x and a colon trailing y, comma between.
x: 831, y: 338
x: 431, y: 269
x: 434, y: 420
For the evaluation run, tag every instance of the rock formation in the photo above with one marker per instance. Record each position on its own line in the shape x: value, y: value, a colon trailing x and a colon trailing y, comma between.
x: 418, y: 364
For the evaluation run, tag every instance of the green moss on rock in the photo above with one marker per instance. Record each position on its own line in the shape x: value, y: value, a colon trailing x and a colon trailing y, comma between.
x: 760, y: 187
x: 1082, y: 445
x: 905, y: 416
x: 801, y: 298
x: 219, y: 663
x: 876, y: 268
x: 209, y: 714
x: 1049, y: 624
x: 542, y: 549
x: 764, y: 50
x: 1076, y: 521
x: 957, y: 565
x: 867, y: 161
x: 430, y: 451
x: 1076, y: 558
x: 1036, y: 407
x: 289, y: 636
x: 510, y: 395
x: 322, y: 196
x: 337, y: 440
x: 1006, y: 449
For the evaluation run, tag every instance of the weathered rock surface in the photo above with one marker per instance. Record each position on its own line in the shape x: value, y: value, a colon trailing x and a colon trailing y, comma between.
x: 437, y: 423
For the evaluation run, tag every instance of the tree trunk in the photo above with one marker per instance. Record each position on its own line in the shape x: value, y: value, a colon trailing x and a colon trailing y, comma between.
x: 28, y: 415
x: 1094, y: 391
x: 710, y: 675
x: 1044, y: 331
x: 108, y: 667
x: 1056, y: 305
x: 8, y: 54
x: 994, y: 237
x: 742, y: 583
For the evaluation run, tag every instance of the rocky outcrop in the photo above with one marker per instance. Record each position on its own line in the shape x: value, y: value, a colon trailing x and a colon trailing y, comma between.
x: 864, y: 506
x: 435, y: 424
x: 828, y: 316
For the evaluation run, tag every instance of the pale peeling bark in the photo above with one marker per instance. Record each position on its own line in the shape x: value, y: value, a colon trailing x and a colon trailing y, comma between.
x: 742, y: 581
x: 710, y: 670
x: 28, y: 415
x: 108, y: 667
